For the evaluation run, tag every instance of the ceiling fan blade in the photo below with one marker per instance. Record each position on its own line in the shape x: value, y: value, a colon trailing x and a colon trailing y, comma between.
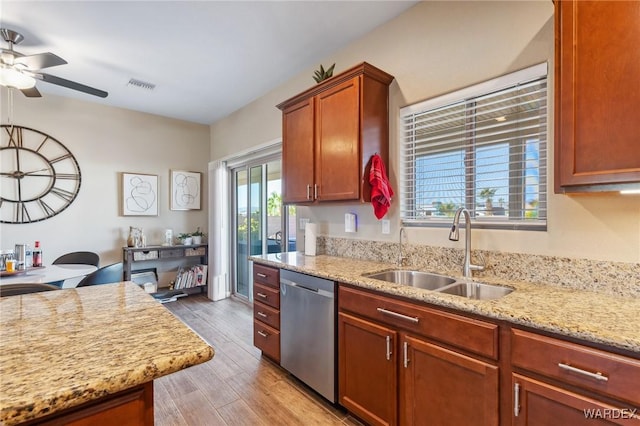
x: 48, y: 78
x: 40, y: 60
x: 31, y: 93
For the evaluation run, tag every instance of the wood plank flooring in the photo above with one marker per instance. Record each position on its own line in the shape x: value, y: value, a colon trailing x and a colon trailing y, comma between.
x: 238, y: 386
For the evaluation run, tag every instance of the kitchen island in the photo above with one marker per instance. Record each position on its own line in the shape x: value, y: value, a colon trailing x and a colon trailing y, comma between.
x: 89, y: 350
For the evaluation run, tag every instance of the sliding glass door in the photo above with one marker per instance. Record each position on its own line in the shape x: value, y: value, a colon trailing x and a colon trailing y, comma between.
x: 258, y: 218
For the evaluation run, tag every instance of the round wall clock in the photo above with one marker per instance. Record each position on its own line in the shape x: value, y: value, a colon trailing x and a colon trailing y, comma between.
x: 39, y: 176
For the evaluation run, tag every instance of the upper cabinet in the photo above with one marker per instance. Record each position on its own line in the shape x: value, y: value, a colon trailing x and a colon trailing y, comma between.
x: 329, y: 134
x: 597, y: 104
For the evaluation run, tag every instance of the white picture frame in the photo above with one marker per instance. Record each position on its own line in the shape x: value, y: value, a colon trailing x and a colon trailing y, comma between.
x: 186, y: 190
x: 139, y: 194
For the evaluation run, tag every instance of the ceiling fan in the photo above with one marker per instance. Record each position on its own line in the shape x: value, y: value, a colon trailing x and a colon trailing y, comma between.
x: 20, y: 71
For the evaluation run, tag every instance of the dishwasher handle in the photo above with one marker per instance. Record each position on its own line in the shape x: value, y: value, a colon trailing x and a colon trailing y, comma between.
x: 284, y: 283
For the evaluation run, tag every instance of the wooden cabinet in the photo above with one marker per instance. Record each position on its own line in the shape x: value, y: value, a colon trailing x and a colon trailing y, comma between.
x: 132, y: 407
x: 566, y: 383
x: 367, y: 365
x: 404, y: 363
x: 597, y: 95
x: 330, y: 133
x: 266, y: 310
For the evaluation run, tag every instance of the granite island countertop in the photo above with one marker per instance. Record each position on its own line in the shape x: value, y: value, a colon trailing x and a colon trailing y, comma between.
x: 593, y: 317
x: 60, y: 349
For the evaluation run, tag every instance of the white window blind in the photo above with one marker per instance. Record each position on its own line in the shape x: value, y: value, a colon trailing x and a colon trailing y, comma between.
x: 484, y: 148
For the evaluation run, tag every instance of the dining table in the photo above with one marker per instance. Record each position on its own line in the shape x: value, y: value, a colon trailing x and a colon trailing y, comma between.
x: 46, y: 274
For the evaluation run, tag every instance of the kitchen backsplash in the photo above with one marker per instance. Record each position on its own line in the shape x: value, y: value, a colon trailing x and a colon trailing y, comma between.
x: 614, y: 278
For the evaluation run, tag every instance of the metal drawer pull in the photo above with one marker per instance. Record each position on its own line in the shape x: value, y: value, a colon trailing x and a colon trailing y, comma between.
x: 388, y: 348
x: 263, y: 334
x: 308, y: 192
x: 516, y: 399
x: 260, y: 314
x: 315, y: 191
x: 406, y: 354
x: 261, y: 275
x: 264, y: 296
x: 397, y: 315
x: 597, y: 375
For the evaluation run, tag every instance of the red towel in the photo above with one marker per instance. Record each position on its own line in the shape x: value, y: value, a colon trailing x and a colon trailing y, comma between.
x: 381, y: 191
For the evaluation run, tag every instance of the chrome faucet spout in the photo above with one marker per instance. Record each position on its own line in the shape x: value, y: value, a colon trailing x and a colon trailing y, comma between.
x: 454, y: 235
x: 401, y: 259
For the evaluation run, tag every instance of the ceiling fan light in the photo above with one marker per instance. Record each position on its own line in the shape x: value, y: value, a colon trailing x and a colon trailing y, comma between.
x: 9, y: 77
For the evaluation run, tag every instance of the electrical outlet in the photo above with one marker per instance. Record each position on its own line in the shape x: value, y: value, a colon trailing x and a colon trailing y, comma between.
x: 301, y: 224
x: 386, y: 226
x: 350, y: 222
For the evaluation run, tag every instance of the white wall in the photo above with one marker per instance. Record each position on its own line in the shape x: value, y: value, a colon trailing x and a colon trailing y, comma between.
x: 107, y: 141
x: 434, y: 48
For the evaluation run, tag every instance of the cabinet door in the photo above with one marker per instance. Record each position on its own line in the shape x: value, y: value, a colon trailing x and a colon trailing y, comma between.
x: 442, y: 387
x: 538, y: 403
x: 297, y: 152
x: 597, y: 92
x: 367, y: 370
x: 338, y: 163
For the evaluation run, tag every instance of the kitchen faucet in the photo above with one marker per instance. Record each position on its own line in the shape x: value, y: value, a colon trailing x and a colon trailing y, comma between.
x: 454, y: 235
x: 401, y: 259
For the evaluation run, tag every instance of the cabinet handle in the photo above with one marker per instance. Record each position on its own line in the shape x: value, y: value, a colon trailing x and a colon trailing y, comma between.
x: 261, y: 275
x: 315, y: 191
x: 264, y: 296
x: 397, y: 315
x: 406, y: 354
x: 260, y: 314
x: 597, y: 375
x: 308, y: 192
x: 388, y: 348
x: 516, y: 399
x: 263, y: 334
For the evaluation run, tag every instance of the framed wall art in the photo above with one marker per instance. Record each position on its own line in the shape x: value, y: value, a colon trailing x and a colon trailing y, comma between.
x: 139, y: 194
x: 186, y: 188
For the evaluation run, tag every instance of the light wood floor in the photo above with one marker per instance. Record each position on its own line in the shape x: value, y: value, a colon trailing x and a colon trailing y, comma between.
x: 238, y: 386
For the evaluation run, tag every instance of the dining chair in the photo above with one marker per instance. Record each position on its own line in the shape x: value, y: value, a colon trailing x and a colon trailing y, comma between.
x: 80, y: 258
x: 105, y: 275
x: 25, y: 288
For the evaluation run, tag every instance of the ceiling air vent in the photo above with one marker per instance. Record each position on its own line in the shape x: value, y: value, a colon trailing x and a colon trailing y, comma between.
x: 141, y: 84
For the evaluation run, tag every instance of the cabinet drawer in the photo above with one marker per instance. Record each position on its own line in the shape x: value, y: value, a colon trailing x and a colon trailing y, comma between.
x: 603, y: 372
x: 267, y: 339
x: 266, y: 276
x: 472, y: 335
x: 266, y: 315
x: 266, y: 295
x: 168, y: 254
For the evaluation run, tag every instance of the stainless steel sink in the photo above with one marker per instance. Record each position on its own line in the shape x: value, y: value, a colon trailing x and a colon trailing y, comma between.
x: 477, y: 291
x: 418, y: 279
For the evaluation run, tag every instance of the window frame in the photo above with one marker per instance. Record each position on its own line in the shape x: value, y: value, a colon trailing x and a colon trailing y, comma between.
x: 468, y: 97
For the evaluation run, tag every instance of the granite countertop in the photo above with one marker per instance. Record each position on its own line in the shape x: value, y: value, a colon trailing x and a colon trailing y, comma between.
x: 594, y: 317
x: 63, y: 348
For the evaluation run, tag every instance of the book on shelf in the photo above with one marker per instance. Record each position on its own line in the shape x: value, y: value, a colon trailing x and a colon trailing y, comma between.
x: 194, y: 276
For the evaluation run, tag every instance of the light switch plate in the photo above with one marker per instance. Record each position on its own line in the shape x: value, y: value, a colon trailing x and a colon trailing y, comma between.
x: 350, y: 220
x: 302, y: 222
x: 386, y: 226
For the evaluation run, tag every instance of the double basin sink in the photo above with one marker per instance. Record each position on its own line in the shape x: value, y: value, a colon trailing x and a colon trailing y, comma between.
x: 442, y: 284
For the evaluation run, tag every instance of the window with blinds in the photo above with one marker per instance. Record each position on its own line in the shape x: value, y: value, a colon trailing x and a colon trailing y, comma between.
x: 483, y: 148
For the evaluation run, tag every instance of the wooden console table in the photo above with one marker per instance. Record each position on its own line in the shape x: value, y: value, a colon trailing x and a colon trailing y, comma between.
x: 134, y: 255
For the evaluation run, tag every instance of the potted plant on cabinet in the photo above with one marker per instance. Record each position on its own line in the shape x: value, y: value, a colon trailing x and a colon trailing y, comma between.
x: 198, y: 236
x: 185, y: 239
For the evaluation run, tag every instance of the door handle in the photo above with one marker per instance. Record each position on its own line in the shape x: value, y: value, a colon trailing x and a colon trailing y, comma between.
x: 597, y: 375
x: 388, y: 348
x: 315, y: 191
x: 516, y: 399
x: 406, y: 354
x: 308, y: 192
x: 397, y: 315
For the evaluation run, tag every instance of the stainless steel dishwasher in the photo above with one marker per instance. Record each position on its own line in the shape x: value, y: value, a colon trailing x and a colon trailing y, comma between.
x: 307, y: 330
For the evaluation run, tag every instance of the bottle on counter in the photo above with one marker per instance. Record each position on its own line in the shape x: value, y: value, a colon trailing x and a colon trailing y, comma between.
x: 37, y: 255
